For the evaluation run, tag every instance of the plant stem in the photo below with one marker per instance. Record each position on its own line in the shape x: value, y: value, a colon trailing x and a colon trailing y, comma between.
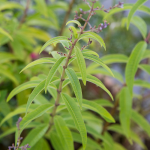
x: 24, y: 14
x: 63, y: 73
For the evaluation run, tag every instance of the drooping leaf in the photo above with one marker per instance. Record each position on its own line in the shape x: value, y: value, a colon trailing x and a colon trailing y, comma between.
x: 93, y: 36
x: 39, y: 111
x: 8, y: 74
x: 126, y: 7
x: 145, y: 68
x: 146, y: 54
x: 77, y: 117
x: 24, y: 86
x: 99, y: 109
x: 133, y: 10
x: 40, y: 61
x: 54, y: 40
x: 103, y: 102
x: 91, y: 79
x: 109, y: 138
x: 4, y: 57
x: 133, y: 63
x: 90, y: 143
x: 64, y: 133
x: 114, y: 58
x: 52, y: 71
x: 81, y: 64
x: 56, y: 141
x: 34, y: 93
x: 125, y: 102
x: 2, y: 31
x: 142, y: 83
x: 87, y: 51
x: 75, y: 85
x: 10, y: 5
x: 141, y: 121
x: 74, y: 21
x: 35, y: 135
x: 97, y: 60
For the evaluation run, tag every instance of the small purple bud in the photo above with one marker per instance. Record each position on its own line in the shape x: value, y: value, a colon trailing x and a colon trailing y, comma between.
x: 81, y: 10
x: 120, y: 5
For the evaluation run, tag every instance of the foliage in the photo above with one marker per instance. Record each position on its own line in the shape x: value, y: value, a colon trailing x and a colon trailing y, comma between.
x: 59, y: 110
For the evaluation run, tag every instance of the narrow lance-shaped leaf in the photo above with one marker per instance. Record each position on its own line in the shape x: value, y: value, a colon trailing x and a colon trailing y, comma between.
x: 145, y: 67
x: 54, y: 40
x: 77, y: 117
x: 125, y: 102
x: 99, y: 109
x: 75, y: 85
x: 64, y: 133
x: 34, y: 93
x: 87, y: 51
x: 74, y: 21
x: 93, y: 36
x: 91, y: 79
x: 133, y: 63
x: 133, y: 10
x: 81, y: 64
x: 75, y: 33
x: 141, y: 121
x: 35, y: 135
x: 39, y: 61
x: 53, y: 71
x: 56, y: 141
x: 2, y: 31
x: 97, y: 60
x: 24, y: 86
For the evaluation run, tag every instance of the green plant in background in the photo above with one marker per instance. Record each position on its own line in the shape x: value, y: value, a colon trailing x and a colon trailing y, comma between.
x: 69, y: 120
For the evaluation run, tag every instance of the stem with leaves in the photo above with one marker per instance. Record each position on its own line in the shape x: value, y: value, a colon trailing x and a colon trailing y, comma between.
x: 63, y: 73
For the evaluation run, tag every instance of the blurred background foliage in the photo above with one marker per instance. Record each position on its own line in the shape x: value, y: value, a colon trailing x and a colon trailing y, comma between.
x: 25, y: 27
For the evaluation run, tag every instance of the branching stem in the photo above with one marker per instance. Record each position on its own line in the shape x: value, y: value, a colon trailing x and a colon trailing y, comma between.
x: 63, y: 73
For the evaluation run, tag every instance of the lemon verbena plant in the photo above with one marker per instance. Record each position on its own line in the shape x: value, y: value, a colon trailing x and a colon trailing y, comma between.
x: 60, y: 75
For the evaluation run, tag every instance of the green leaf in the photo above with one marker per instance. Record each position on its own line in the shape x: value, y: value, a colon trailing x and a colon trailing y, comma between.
x: 125, y: 102
x: 146, y: 54
x: 99, y: 109
x: 22, y: 87
x: 64, y: 133
x: 140, y: 24
x: 10, y: 5
x: 126, y: 7
x: 118, y: 146
x: 133, y: 10
x: 40, y: 61
x: 52, y: 71
x: 75, y: 33
x: 75, y: 85
x: 91, y: 79
x: 114, y: 58
x: 2, y: 31
x: 109, y: 138
x: 14, y: 113
x: 39, y: 111
x: 93, y: 36
x: 77, y: 117
x: 81, y: 64
x: 4, y: 57
x: 142, y: 83
x: 74, y: 21
x: 8, y: 74
x: 56, y: 141
x: 90, y: 143
x: 54, y: 40
x: 141, y: 121
x: 35, y: 135
x: 87, y: 51
x: 104, y: 102
x: 145, y: 68
x: 98, y: 61
x: 133, y: 63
